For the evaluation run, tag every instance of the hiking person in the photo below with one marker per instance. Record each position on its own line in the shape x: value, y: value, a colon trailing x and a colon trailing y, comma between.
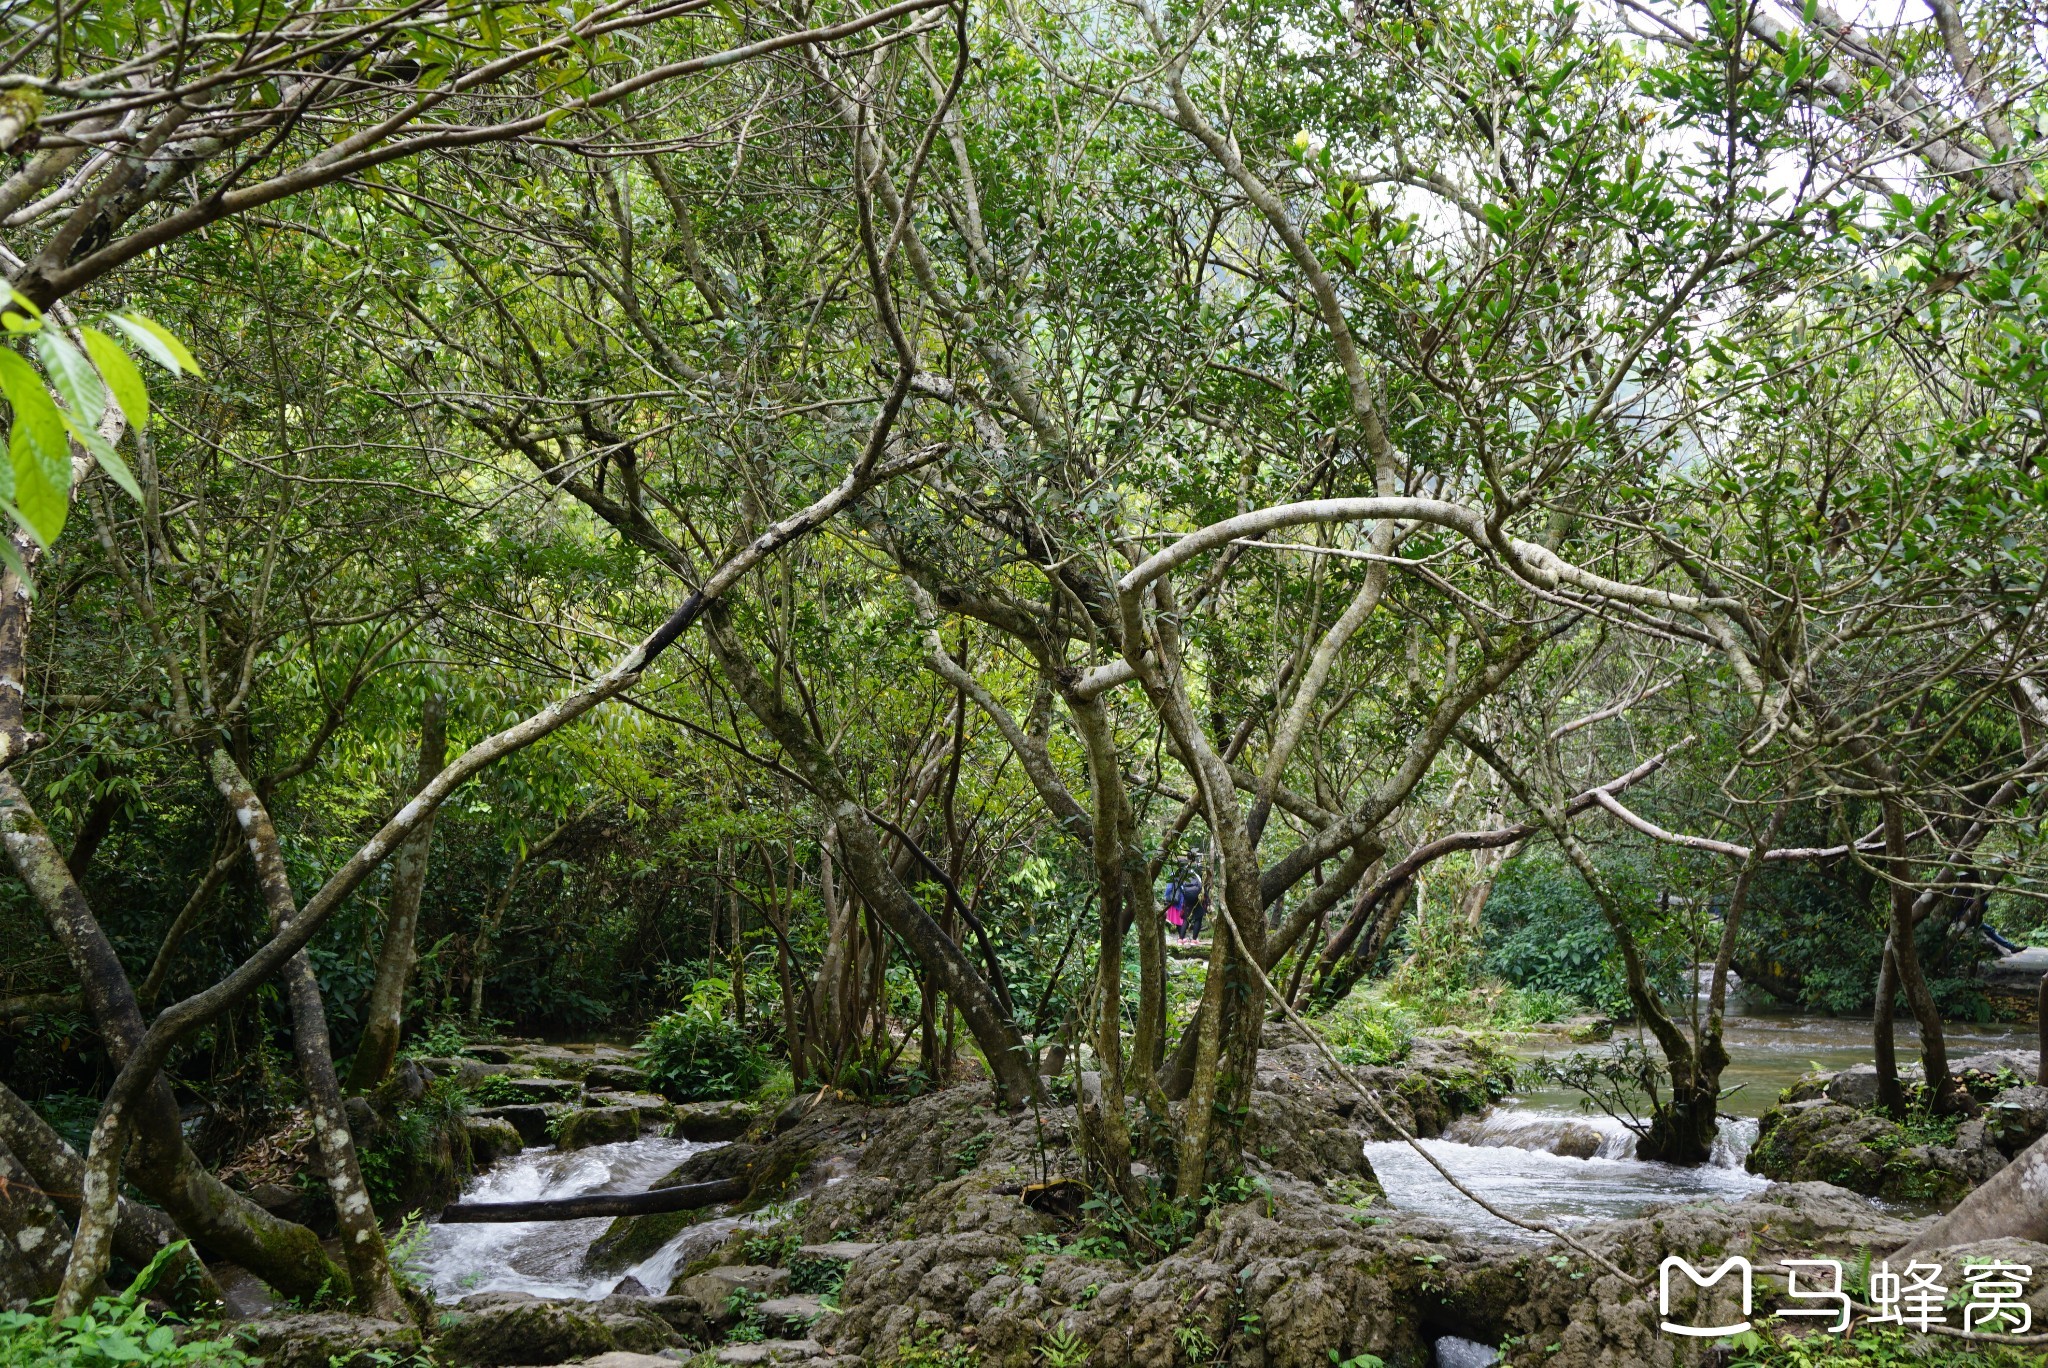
x: 1194, y: 904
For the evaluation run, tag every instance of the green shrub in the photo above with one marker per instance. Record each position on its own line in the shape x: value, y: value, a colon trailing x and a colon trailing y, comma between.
x: 695, y: 1056
x: 498, y: 1090
x: 115, y: 1332
x: 1366, y: 1030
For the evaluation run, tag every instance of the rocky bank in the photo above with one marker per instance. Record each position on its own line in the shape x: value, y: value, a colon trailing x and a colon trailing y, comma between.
x: 938, y: 1234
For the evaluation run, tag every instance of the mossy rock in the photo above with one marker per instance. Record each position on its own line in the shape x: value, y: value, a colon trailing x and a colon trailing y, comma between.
x: 589, y: 1126
x: 506, y: 1328
x: 1830, y: 1143
x: 629, y: 1240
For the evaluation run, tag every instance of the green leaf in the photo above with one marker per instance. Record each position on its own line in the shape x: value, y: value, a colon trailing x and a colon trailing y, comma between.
x: 153, y: 337
x: 121, y: 376
x: 73, y: 376
x: 110, y: 460
x: 37, y: 449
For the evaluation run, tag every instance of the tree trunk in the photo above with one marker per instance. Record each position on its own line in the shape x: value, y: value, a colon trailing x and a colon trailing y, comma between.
x: 362, y: 1242
x: 32, y: 1232
x: 384, y: 1017
x: 1009, y: 1063
x: 2011, y: 1204
x: 2041, y: 1030
x: 286, y: 1256
x: 1945, y: 1096
x: 140, y: 1231
x: 1891, y: 1096
x: 1111, y: 1130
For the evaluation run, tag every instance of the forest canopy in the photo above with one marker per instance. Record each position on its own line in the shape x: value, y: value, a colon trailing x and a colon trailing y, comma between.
x: 794, y: 524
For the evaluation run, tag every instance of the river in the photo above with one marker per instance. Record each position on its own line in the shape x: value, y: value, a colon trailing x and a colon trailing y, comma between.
x: 1537, y: 1155
x: 1541, y: 1155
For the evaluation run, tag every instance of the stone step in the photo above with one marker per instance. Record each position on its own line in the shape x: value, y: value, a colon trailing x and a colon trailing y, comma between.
x: 713, y: 1121
x: 791, y: 1315
x: 845, y: 1251
x: 770, y: 1351
x: 712, y: 1289
x: 623, y: 1077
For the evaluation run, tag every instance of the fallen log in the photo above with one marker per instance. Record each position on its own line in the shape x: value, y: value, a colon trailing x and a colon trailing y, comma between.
x: 687, y: 1197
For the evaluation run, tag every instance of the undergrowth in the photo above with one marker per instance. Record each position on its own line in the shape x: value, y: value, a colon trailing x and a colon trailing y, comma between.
x: 117, y: 1332
x: 1871, y: 1347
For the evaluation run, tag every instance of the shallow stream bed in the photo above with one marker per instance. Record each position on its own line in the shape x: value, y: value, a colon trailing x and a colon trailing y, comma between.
x: 545, y: 1258
x: 1541, y: 1155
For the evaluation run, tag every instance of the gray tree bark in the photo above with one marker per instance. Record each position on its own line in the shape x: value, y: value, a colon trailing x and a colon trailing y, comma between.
x: 384, y: 1017
x: 140, y: 1231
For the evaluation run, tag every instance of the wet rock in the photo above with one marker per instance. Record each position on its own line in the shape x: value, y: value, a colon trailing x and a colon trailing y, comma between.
x: 617, y: 1077
x: 468, y: 1072
x: 770, y: 1351
x: 490, y: 1054
x: 619, y: 1358
x: 586, y: 1126
x: 543, y: 1090
x: 711, y: 1291
x: 790, y: 1316
x: 841, y: 1251
x: 502, y: 1328
x: 530, y: 1121
x: 1830, y: 1143
x: 654, y: 1111
x: 327, y: 1339
x: 491, y: 1138
x: 1857, y: 1087
x: 629, y: 1240
x: 2017, y: 1117
x: 713, y: 1121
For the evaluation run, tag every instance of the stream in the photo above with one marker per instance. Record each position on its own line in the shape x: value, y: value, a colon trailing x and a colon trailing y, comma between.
x: 545, y: 1258
x: 1538, y: 1155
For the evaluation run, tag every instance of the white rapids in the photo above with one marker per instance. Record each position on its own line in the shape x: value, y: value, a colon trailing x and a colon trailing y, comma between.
x: 546, y: 1258
x: 1559, y: 1167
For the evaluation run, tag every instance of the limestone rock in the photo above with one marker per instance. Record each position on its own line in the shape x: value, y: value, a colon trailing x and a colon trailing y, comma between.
x: 770, y: 1351
x: 792, y: 1316
x: 654, y: 1111
x: 530, y: 1121
x: 586, y: 1126
x: 619, y: 1358
x: 468, y: 1071
x: 327, y: 1339
x: 1830, y: 1143
x: 843, y: 1251
x: 2017, y: 1117
x: 491, y: 1138
x: 1857, y: 1087
x: 630, y: 1239
x: 541, y: 1090
x: 503, y: 1328
x: 711, y: 1291
x: 617, y: 1077
x: 713, y: 1121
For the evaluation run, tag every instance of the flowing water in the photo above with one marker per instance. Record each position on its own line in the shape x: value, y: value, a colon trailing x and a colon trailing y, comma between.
x: 1537, y: 1155
x: 1541, y: 1155
x: 545, y: 1258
